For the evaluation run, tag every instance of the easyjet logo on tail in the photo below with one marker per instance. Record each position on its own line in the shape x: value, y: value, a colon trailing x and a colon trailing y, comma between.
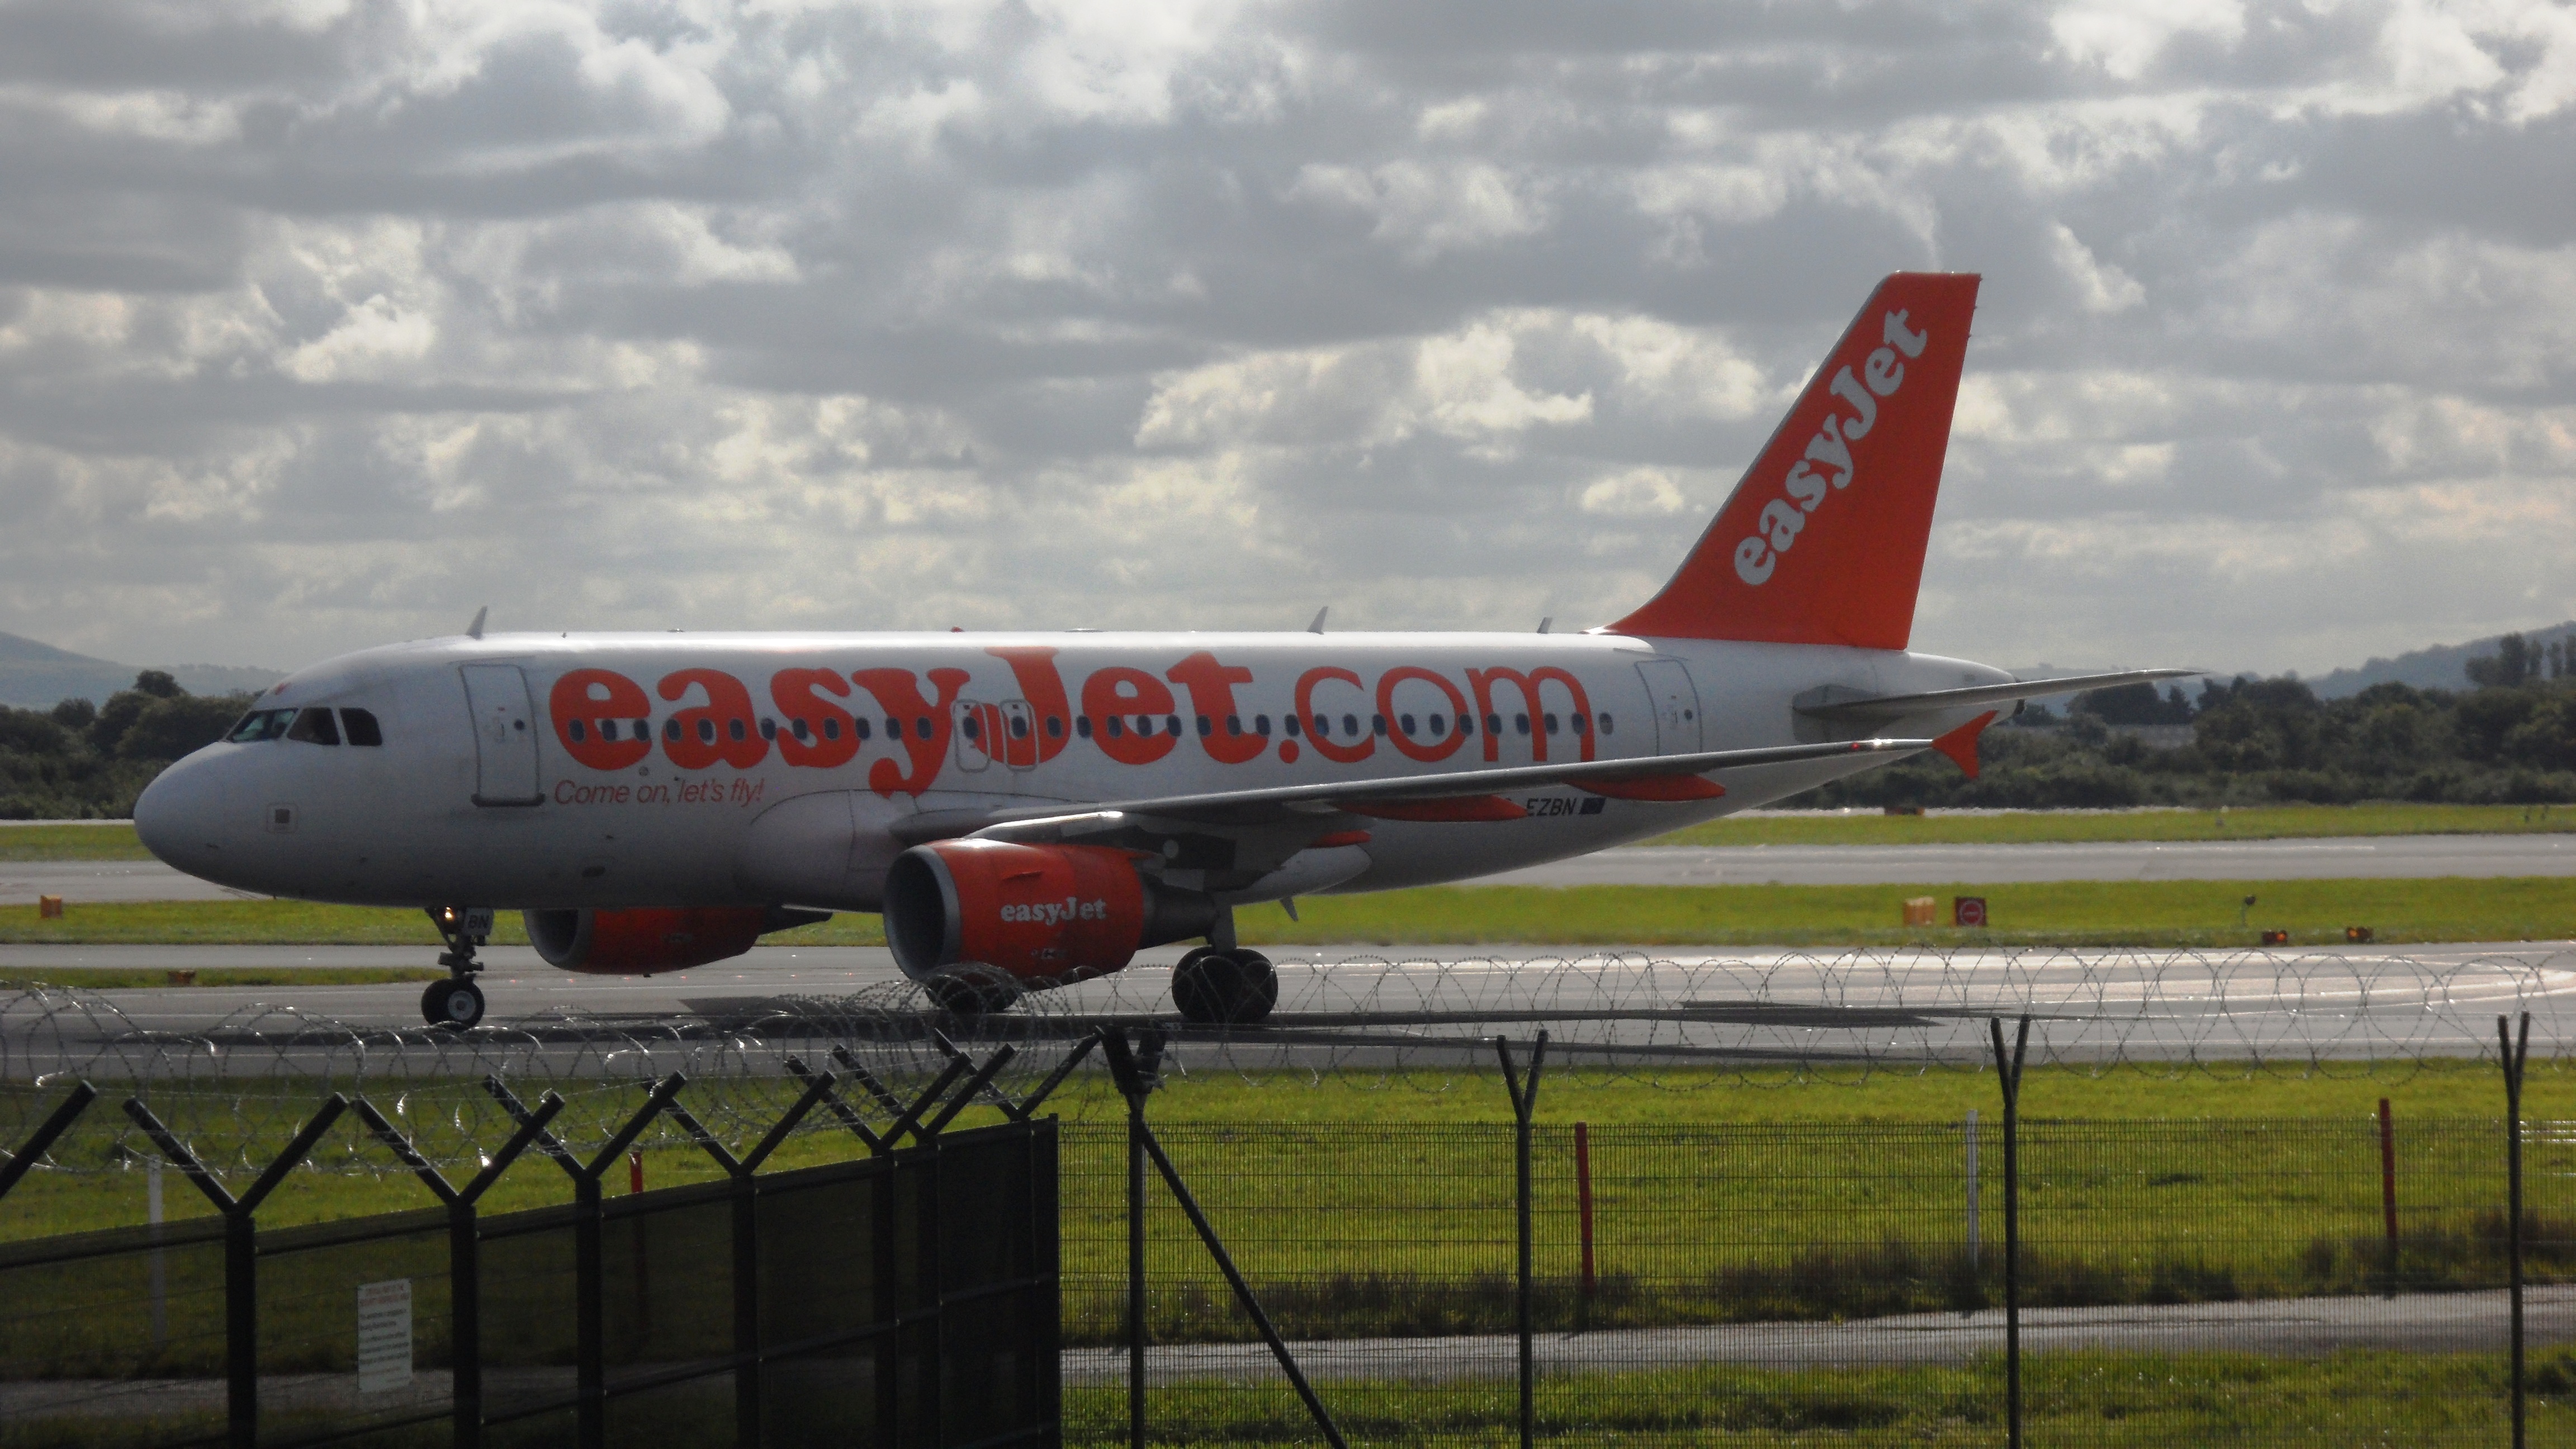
x: 1782, y: 519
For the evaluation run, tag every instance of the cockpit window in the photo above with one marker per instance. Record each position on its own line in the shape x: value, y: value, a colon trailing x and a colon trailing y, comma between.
x: 315, y: 727
x: 360, y: 726
x: 260, y: 725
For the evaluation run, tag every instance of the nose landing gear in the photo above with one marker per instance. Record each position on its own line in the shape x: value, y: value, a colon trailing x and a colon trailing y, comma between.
x: 457, y: 1002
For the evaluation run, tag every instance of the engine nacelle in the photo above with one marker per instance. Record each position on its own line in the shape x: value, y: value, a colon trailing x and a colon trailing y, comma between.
x: 1046, y: 914
x: 641, y: 942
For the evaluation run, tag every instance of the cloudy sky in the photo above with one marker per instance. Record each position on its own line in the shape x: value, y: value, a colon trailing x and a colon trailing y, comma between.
x: 322, y: 324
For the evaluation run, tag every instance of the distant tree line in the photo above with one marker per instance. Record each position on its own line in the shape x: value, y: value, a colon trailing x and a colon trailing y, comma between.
x: 81, y: 761
x: 2511, y: 739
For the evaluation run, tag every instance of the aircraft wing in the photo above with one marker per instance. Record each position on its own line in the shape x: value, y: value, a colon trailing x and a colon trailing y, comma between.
x: 1462, y: 795
x: 1871, y: 709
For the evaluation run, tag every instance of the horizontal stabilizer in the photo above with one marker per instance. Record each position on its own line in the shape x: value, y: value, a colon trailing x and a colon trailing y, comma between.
x: 1877, y: 708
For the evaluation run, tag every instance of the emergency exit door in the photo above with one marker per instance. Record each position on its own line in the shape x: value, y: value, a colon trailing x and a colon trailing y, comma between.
x: 1676, y: 706
x: 505, y: 735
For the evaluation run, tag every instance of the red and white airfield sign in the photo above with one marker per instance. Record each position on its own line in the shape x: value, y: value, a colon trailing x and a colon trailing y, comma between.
x: 1029, y: 810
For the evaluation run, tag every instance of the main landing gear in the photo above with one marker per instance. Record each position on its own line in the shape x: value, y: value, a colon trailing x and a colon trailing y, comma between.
x: 457, y: 1002
x: 1218, y: 986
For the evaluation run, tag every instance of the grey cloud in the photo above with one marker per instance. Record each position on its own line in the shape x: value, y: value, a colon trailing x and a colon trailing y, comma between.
x: 642, y: 315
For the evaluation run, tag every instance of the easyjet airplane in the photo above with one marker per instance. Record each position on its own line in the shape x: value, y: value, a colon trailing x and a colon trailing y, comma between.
x: 1031, y: 809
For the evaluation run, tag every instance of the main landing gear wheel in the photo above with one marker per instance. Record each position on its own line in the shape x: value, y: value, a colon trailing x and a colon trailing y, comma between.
x: 969, y: 991
x: 454, y: 1002
x: 1216, y: 987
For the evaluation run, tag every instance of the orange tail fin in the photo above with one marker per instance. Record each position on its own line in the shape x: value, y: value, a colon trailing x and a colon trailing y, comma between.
x: 1822, y: 542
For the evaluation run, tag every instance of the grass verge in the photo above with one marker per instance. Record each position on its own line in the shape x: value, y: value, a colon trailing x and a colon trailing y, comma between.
x: 115, y: 978
x: 2266, y: 822
x: 2057, y: 913
x: 2263, y: 822
x: 70, y: 842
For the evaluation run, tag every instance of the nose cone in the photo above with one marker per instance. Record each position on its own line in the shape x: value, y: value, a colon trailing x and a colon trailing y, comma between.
x: 181, y: 816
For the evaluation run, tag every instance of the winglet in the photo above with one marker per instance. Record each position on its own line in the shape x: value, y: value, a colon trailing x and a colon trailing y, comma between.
x: 1961, y: 744
x: 475, y: 629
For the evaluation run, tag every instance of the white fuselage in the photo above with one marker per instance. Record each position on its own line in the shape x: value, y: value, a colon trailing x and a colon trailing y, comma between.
x: 489, y: 793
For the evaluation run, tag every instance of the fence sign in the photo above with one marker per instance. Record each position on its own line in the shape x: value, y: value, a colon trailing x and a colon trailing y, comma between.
x: 384, y: 1336
x: 1967, y: 910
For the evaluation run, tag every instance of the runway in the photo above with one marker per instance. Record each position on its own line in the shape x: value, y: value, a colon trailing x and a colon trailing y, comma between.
x: 1354, y: 1006
x: 2381, y: 857
x: 2296, y: 1327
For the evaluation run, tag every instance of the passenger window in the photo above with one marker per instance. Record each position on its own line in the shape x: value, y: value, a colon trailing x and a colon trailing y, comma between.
x: 1234, y: 724
x: 1082, y: 725
x: 804, y: 731
x: 261, y: 725
x: 921, y: 726
x: 360, y: 726
x: 733, y: 729
x: 706, y: 732
x: 643, y: 729
x: 671, y: 730
x: 1289, y: 723
x: 1205, y: 727
x: 1351, y: 724
x: 969, y: 727
x: 769, y: 729
x: 1117, y: 726
x: 1551, y: 723
x: 1494, y: 724
x: 894, y: 728
x: 1405, y: 722
x: 1172, y: 724
x: 578, y: 731
x: 1439, y: 726
x: 1520, y: 723
x: 1261, y: 725
x: 1055, y: 727
x: 1019, y: 727
x: 315, y: 727
x: 1466, y: 724
x: 859, y: 727
x: 1581, y: 723
x: 1605, y: 722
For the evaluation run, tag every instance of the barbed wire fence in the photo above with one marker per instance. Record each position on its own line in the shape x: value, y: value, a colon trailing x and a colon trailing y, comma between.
x: 1680, y: 1021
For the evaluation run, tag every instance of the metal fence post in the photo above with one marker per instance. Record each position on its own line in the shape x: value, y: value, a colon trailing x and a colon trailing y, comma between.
x: 1583, y: 1211
x: 590, y: 1328
x: 1137, y: 1076
x: 2511, y: 1054
x: 2388, y: 1195
x: 1975, y: 1234
x: 1524, y: 1093
x: 241, y: 1252
x: 2008, y: 1074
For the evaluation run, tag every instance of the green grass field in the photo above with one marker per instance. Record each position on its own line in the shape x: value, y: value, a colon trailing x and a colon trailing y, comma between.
x: 2112, y: 1400
x: 2130, y: 913
x: 2265, y: 822
x: 70, y: 842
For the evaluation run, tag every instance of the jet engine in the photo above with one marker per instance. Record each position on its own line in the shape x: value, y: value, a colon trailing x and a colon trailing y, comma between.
x: 641, y: 942
x: 1042, y: 915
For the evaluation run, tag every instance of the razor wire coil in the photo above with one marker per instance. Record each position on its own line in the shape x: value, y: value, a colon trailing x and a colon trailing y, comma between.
x: 1680, y: 1021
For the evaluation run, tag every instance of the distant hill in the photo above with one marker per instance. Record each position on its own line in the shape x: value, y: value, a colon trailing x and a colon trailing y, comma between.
x: 2444, y: 666
x: 37, y: 676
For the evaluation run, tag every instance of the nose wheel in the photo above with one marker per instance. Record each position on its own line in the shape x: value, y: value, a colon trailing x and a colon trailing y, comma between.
x: 457, y: 1002
x: 1213, y: 986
